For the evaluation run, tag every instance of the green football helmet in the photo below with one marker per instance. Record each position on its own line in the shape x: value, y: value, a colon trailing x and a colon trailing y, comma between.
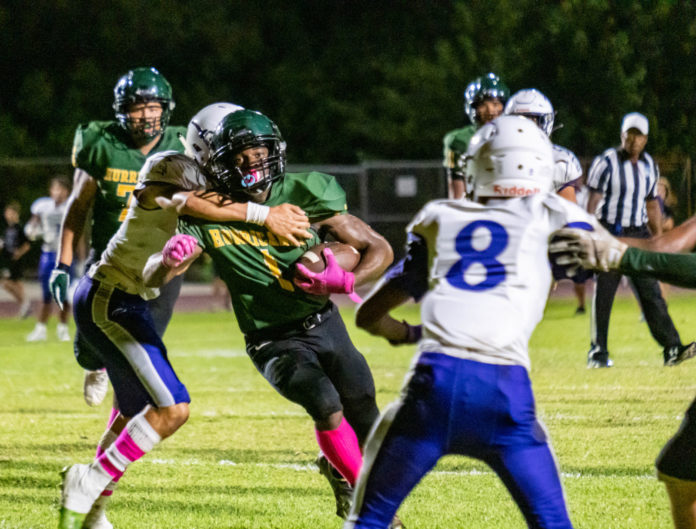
x: 487, y: 86
x: 237, y: 132
x: 143, y: 85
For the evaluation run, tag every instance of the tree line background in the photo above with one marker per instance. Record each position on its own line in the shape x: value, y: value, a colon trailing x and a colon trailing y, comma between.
x: 349, y: 81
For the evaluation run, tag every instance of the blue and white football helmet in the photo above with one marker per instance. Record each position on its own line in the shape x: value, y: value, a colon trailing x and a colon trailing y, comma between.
x: 534, y: 105
x: 509, y: 157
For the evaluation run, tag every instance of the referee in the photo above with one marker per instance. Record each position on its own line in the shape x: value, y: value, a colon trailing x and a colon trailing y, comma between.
x: 623, y: 194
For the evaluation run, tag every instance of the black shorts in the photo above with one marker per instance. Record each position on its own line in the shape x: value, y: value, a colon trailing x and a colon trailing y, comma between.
x: 678, y: 457
x: 318, y: 368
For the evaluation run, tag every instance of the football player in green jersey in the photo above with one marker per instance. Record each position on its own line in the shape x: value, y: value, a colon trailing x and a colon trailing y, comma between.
x: 170, y: 184
x: 484, y: 100
x: 294, y: 333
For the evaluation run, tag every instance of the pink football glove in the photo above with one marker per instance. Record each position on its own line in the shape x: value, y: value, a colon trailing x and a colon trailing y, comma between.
x: 332, y: 280
x: 178, y: 248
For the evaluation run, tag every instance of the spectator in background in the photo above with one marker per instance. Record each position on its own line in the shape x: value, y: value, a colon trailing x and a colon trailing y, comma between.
x: 484, y: 100
x: 668, y: 201
x: 46, y: 218
x: 623, y: 192
x: 13, y: 246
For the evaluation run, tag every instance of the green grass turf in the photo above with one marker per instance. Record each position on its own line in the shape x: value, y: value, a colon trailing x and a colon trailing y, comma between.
x: 244, y: 459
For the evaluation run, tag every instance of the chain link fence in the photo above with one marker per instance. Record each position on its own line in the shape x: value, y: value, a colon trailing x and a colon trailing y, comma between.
x: 385, y: 194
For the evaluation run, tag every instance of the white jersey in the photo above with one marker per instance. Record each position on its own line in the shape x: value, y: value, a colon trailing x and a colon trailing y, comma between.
x: 145, y: 231
x: 50, y: 216
x: 488, y: 273
x: 567, y: 168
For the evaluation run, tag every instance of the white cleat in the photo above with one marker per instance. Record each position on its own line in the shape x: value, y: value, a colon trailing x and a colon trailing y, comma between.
x: 74, y: 496
x: 62, y: 333
x: 38, y: 334
x: 95, y: 386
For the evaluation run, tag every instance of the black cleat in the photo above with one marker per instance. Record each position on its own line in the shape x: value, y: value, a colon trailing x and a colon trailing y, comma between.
x: 342, y: 490
x: 596, y: 358
x: 676, y: 354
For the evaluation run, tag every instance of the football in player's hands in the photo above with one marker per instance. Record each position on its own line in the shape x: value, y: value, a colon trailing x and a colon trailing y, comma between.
x: 346, y: 256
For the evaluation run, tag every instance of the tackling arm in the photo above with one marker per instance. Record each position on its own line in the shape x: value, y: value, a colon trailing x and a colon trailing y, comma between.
x: 156, y: 273
x: 285, y: 220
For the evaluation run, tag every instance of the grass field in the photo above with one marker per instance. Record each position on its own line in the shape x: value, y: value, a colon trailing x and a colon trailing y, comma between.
x: 244, y: 459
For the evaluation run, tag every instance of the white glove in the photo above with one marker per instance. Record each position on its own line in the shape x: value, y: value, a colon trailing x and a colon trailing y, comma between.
x: 573, y: 248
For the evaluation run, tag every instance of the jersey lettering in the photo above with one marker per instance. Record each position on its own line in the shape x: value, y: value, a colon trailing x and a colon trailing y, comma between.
x: 495, y: 270
x: 125, y: 190
x: 121, y: 175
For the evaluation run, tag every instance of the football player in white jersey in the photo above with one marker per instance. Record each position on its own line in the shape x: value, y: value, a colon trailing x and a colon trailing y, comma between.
x: 46, y: 218
x: 567, y: 175
x: 111, y: 312
x: 480, y: 269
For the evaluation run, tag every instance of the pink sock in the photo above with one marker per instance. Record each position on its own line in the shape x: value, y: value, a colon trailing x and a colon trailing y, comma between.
x: 136, y: 439
x: 112, y: 417
x: 341, y: 448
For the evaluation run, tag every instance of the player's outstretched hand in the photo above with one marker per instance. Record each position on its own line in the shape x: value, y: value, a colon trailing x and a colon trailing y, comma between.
x: 177, y: 249
x: 288, y: 221
x: 332, y: 280
x: 574, y: 248
x: 59, y: 282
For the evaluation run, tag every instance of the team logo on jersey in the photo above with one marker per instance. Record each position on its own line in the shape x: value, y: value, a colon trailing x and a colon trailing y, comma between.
x: 515, y: 191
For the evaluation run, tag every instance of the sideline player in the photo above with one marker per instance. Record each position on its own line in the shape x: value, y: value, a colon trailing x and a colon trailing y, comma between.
x: 294, y: 333
x: 676, y: 463
x: 107, y: 156
x: 480, y: 268
x: 47, y: 215
x: 484, y: 100
x: 112, y: 312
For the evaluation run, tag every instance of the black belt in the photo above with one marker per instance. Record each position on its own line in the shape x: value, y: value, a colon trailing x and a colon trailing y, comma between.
x: 293, y: 328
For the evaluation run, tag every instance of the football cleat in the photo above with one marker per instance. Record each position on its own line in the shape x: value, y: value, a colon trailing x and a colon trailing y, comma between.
x: 596, y: 358
x: 675, y: 355
x: 95, y: 386
x: 342, y: 490
x: 63, y: 333
x: 75, y: 501
x: 38, y: 334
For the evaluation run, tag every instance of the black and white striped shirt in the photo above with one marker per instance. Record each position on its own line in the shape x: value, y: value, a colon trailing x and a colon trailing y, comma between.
x: 624, y: 187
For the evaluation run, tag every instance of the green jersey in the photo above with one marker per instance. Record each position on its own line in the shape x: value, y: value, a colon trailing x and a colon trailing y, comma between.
x: 104, y: 151
x: 257, y: 266
x: 454, y: 146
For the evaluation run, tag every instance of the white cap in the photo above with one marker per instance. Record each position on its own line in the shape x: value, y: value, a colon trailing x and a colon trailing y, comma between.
x: 635, y: 120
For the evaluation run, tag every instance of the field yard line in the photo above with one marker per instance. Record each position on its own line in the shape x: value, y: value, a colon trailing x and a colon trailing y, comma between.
x: 311, y: 467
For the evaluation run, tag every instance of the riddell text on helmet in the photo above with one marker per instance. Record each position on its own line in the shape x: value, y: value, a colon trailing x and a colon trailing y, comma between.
x: 515, y: 191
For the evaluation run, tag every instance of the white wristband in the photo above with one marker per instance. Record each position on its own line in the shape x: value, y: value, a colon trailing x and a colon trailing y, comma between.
x: 257, y: 213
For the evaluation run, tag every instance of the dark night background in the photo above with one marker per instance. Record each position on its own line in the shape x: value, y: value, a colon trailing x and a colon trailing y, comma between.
x: 350, y: 81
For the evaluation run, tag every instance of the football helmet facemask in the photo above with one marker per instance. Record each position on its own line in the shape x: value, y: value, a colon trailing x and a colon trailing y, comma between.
x: 143, y: 85
x: 509, y: 157
x: 488, y: 86
x: 534, y: 105
x: 241, y: 130
x: 201, y: 128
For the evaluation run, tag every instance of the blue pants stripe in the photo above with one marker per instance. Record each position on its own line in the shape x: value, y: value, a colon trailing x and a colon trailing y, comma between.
x: 119, y: 328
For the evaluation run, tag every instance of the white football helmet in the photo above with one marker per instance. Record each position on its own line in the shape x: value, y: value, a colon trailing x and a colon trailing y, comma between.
x: 509, y: 157
x: 201, y: 128
x: 534, y: 105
